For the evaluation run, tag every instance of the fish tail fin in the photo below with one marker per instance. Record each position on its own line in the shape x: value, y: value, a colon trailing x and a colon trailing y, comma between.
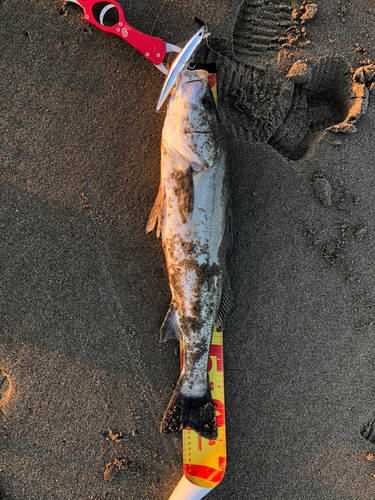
x: 183, y: 411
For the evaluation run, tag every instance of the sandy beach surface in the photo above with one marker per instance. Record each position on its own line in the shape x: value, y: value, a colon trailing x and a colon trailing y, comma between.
x: 83, y: 379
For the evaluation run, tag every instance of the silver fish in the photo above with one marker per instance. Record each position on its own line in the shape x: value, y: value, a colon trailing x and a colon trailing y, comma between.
x: 190, y: 214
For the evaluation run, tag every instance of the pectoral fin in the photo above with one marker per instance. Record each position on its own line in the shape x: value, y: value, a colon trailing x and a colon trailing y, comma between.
x: 157, y: 213
x: 201, y: 150
x: 183, y: 147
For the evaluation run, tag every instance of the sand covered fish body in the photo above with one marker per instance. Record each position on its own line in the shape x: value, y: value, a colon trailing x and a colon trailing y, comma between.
x: 190, y: 214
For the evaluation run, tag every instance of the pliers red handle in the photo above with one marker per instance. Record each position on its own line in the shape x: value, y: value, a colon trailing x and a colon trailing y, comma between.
x: 153, y: 48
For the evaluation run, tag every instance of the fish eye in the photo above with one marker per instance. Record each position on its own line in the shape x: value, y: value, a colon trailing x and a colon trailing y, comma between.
x: 208, y: 103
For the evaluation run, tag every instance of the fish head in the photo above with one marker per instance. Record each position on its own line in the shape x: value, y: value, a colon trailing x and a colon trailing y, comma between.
x: 192, y: 127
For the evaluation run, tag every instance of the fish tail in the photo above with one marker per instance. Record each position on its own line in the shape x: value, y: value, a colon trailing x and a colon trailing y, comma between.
x: 183, y: 411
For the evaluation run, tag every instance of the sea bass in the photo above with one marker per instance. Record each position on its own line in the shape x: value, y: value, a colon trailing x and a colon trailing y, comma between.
x: 190, y: 214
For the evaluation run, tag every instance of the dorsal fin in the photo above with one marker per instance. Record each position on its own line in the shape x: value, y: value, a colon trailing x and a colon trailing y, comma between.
x: 230, y: 229
x: 227, y: 303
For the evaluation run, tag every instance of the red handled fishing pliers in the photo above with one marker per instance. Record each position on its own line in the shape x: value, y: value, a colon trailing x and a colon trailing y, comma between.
x: 109, y: 17
x: 103, y: 16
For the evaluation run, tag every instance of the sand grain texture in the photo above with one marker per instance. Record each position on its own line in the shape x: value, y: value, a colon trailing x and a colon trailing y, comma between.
x: 84, y: 290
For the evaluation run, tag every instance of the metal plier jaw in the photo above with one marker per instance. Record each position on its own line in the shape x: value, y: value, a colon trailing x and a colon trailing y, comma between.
x: 153, y: 48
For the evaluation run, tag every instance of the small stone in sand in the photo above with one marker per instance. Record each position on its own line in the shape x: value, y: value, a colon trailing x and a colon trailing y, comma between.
x: 299, y: 73
x: 310, y: 10
x: 5, y: 387
x: 323, y: 189
x: 360, y: 232
x: 112, y: 468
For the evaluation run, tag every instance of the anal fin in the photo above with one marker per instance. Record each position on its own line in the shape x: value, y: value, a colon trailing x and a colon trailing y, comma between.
x: 170, y: 329
x: 157, y: 213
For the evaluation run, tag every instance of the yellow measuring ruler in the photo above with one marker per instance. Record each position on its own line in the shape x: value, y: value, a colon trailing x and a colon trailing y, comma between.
x: 204, y: 459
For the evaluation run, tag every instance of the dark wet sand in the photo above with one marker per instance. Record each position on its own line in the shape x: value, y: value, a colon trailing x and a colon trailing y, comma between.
x: 84, y: 289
